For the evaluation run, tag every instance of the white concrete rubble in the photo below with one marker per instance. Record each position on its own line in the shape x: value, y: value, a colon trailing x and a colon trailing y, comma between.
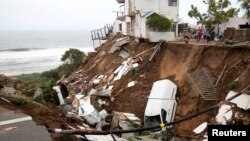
x: 225, y: 113
x: 242, y: 101
x: 200, y: 128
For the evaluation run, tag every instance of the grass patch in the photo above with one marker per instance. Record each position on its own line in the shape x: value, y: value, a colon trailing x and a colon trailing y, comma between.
x: 233, y: 85
x: 133, y: 72
x: 21, y: 101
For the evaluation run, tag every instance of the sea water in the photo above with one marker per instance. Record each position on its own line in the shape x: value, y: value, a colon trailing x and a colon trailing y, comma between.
x: 24, y: 52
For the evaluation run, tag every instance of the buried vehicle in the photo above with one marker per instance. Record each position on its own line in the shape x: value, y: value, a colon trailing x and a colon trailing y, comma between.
x: 161, y: 104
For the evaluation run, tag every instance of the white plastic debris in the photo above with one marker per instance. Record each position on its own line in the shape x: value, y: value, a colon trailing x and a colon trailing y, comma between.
x: 135, y: 65
x: 225, y: 113
x: 96, y: 81
x: 131, y: 84
x: 200, y: 128
x: 242, y: 101
x: 79, y: 96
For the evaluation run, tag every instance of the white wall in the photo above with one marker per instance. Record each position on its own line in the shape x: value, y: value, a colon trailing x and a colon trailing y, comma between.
x: 156, y: 36
x: 124, y: 26
x: 139, y: 28
x: 234, y: 22
x: 159, y: 6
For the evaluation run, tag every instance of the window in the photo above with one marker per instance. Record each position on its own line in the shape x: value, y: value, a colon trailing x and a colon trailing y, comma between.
x: 152, y: 120
x: 164, y: 115
x: 172, y: 2
x: 120, y: 27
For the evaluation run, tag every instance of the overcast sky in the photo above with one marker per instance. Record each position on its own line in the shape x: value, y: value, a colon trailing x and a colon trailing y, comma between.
x: 68, y: 14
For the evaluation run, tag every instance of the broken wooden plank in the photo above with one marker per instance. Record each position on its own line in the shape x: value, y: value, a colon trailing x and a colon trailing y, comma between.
x: 234, y: 65
x: 221, y: 74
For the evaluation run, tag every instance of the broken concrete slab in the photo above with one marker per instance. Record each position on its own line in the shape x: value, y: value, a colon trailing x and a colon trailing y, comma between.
x: 242, y: 101
x: 114, y: 48
x: 38, y: 93
x: 92, y: 92
x: 119, y: 42
x: 225, y: 113
x: 124, y: 54
x: 200, y: 128
x: 131, y: 84
x: 8, y: 90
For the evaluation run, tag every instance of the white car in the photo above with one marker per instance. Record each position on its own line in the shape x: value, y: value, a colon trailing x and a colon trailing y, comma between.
x: 161, y: 104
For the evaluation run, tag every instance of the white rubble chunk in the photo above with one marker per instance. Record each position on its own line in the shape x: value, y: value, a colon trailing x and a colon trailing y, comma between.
x: 131, y: 84
x: 242, y: 101
x: 96, y: 81
x: 92, y: 92
x: 79, y: 96
x: 135, y: 65
x: 200, y: 128
x: 225, y: 113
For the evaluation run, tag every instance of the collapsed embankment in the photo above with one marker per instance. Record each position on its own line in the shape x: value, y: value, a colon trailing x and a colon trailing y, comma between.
x: 174, y: 61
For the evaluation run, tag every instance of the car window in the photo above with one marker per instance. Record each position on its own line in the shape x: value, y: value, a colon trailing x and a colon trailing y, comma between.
x: 152, y: 120
x: 164, y: 115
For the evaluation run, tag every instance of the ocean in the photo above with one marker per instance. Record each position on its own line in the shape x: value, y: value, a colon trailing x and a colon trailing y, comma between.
x: 25, y: 52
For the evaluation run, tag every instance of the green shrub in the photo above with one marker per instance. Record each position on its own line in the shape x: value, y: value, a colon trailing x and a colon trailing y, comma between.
x: 233, y: 85
x: 21, y: 101
x: 158, y: 23
x: 133, y: 71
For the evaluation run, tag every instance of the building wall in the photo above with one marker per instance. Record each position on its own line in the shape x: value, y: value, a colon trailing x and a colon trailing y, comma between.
x: 140, y: 7
x: 156, y: 36
x: 234, y: 22
x: 124, y: 31
x: 158, y: 6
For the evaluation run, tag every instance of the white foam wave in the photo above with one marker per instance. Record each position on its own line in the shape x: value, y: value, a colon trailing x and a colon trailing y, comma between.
x: 15, y: 63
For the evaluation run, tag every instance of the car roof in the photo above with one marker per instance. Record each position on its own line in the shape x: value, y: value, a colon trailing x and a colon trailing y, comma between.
x: 163, y: 89
x: 162, y: 96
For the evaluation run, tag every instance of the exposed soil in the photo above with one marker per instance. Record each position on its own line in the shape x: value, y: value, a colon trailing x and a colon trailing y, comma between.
x: 173, y: 61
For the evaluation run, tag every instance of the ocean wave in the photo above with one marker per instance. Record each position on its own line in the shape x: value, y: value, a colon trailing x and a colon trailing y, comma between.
x: 19, y: 49
x: 33, y: 60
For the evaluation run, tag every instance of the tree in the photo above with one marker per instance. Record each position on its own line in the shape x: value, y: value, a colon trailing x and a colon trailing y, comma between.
x: 217, y: 13
x: 71, y: 59
x: 73, y: 56
x: 245, y: 4
x: 158, y: 23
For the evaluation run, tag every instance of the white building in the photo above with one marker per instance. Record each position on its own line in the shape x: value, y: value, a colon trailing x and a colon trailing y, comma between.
x: 133, y: 19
